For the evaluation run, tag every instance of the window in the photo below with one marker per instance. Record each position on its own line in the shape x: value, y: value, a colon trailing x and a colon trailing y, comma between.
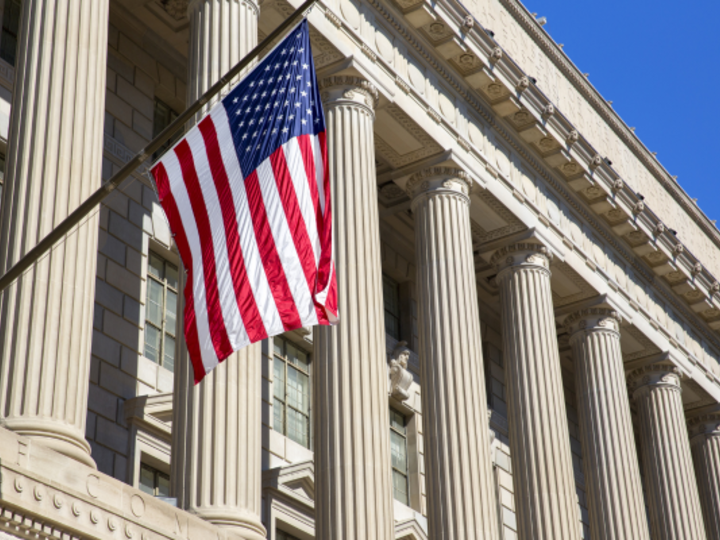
x: 2, y: 178
x: 391, y: 301
x: 154, y: 482
x: 163, y: 116
x: 280, y: 535
x: 161, y: 311
x: 291, y: 391
x: 398, y: 451
x: 10, y: 30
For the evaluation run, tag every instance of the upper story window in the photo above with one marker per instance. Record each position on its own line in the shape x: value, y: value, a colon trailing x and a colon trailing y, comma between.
x: 10, y: 31
x: 391, y: 301
x: 398, y: 452
x: 163, y: 116
x: 154, y: 482
x: 291, y: 391
x: 161, y: 311
x: 280, y: 535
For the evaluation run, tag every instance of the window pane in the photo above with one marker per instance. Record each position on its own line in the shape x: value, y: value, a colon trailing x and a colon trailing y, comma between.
x: 391, y: 301
x: 10, y: 31
x: 278, y: 424
x: 397, y: 421
x: 171, y: 274
x: 152, y: 343
x: 171, y: 313
x: 400, y: 491
x: 169, y: 353
x: 279, y: 382
x: 147, y: 480
x: 163, y: 485
x: 298, y: 427
x: 298, y: 390
x: 398, y: 451
x: 155, y: 266
x: 153, y: 309
x: 278, y: 346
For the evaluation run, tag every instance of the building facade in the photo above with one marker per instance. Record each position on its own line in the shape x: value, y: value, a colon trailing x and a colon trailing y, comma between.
x: 530, y: 303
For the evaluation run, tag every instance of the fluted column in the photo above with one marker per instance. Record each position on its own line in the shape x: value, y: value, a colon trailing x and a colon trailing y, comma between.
x: 612, y: 471
x: 53, y: 164
x: 458, y: 466
x: 217, y: 424
x: 539, y: 439
x: 705, y: 447
x: 353, y: 490
x: 669, y: 476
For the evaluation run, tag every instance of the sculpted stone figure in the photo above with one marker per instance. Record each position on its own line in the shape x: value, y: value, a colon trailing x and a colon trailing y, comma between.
x: 400, y: 377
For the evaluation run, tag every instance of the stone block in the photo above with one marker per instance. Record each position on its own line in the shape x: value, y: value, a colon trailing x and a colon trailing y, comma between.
x: 133, y: 189
x: 144, y: 61
x: 120, y: 471
x: 147, y: 371
x: 135, y: 262
x: 108, y: 124
x: 105, y: 348
x: 120, y: 66
x: 111, y: 247
x: 117, y: 107
x: 121, y: 330
x: 139, y: 101
x: 127, y: 137
x: 95, y: 370
x: 145, y: 84
x: 117, y: 201
x: 125, y: 231
x: 102, y: 402
x: 148, y: 197
x: 167, y: 79
x: 120, y: 278
x: 104, y: 458
x: 111, y: 80
x: 109, y: 434
x: 107, y: 169
x: 142, y: 125
x: 97, y: 317
x: 165, y: 380
x: 113, y: 35
x: 108, y: 297
x: 104, y: 217
x: 119, y: 383
x: 133, y: 311
x: 90, y: 425
x: 100, y: 268
x: 141, y: 217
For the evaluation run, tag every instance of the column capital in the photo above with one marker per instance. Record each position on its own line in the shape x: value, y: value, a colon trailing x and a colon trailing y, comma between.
x: 593, y: 320
x: 440, y: 181
x: 187, y: 6
x: 646, y: 378
x: 522, y: 255
x: 347, y: 89
x: 704, y: 426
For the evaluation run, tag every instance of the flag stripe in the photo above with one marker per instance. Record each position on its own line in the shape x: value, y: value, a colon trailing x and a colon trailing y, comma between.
x: 191, y: 321
x: 264, y: 298
x: 207, y: 255
x: 307, y: 155
x: 289, y: 200
x: 243, y: 291
x: 269, y: 255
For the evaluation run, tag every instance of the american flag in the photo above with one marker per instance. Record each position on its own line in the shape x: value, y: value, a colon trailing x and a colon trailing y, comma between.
x: 247, y: 196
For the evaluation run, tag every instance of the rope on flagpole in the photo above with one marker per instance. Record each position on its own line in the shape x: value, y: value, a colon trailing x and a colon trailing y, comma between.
x: 65, y: 226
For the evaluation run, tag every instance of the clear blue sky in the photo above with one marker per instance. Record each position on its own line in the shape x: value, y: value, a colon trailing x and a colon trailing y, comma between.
x: 659, y: 62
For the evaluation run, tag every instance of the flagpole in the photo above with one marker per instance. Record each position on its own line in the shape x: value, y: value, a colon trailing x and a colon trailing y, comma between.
x: 111, y: 185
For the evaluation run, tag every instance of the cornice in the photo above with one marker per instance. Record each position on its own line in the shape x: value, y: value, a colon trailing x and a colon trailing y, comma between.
x: 573, y: 74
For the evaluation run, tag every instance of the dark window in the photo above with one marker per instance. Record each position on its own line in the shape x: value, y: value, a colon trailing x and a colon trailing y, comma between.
x: 398, y: 452
x: 2, y: 178
x: 163, y: 116
x: 10, y: 30
x: 280, y: 535
x: 161, y: 311
x: 291, y: 392
x: 391, y: 301
x: 154, y: 482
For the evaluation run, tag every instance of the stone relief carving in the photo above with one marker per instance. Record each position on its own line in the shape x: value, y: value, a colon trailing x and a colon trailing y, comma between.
x: 400, y: 378
x: 177, y: 9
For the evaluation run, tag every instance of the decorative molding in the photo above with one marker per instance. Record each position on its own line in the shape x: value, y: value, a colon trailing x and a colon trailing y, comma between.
x: 593, y: 319
x: 428, y: 146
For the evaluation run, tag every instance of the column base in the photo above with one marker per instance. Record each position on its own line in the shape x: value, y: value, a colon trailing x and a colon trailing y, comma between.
x: 245, y: 524
x: 52, y: 434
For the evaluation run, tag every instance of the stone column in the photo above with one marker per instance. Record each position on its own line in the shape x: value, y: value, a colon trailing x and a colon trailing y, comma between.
x: 353, y: 489
x: 217, y: 424
x: 458, y: 466
x: 53, y: 165
x: 612, y: 472
x: 539, y: 439
x: 669, y: 476
x: 705, y: 446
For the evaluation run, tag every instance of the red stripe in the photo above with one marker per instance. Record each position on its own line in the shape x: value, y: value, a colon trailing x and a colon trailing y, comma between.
x: 268, y: 253
x: 296, y: 222
x: 190, y: 322
x: 243, y: 291
x: 218, y: 332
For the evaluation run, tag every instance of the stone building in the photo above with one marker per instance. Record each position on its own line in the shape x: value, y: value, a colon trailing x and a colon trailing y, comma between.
x: 530, y: 303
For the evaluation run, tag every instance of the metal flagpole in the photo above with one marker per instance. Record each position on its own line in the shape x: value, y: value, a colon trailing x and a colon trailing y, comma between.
x: 108, y: 187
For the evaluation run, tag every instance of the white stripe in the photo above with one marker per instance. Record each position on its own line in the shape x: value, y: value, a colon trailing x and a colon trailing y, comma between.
x: 253, y: 262
x: 319, y: 171
x: 284, y: 244
x: 228, y: 300
x: 177, y: 187
x: 298, y: 173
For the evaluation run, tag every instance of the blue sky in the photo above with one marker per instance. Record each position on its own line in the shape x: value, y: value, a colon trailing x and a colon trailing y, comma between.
x: 659, y: 62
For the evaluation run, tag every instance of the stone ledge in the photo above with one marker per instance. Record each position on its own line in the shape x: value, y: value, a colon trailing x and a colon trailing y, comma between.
x: 44, y: 494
